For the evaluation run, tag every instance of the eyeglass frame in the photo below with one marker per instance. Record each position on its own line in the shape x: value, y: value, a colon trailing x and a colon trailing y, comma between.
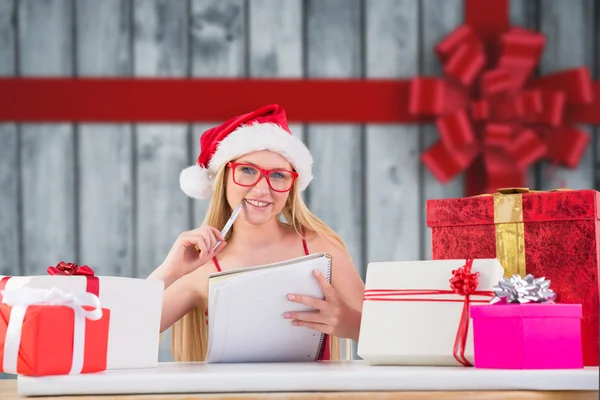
x: 263, y: 172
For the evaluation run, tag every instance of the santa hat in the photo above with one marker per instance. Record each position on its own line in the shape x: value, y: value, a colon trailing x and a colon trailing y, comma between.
x: 263, y: 129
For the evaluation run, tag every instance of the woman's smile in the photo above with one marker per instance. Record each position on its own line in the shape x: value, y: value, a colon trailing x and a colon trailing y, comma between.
x: 257, y: 203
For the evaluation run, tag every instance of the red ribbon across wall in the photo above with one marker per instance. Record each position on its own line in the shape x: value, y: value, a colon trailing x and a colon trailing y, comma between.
x: 463, y: 283
x: 495, y: 120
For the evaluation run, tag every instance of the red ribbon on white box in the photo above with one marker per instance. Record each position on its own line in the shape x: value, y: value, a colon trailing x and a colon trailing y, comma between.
x: 20, y: 299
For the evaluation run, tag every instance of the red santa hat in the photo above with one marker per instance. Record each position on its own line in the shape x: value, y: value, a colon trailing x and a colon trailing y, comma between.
x: 263, y: 129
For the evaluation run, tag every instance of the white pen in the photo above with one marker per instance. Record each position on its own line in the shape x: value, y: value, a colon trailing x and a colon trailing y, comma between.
x: 229, y: 223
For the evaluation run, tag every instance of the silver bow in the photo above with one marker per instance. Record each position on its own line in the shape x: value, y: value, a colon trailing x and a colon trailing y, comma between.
x: 523, y: 290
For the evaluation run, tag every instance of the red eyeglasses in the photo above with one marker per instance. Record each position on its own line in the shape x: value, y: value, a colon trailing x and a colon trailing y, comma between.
x: 280, y: 180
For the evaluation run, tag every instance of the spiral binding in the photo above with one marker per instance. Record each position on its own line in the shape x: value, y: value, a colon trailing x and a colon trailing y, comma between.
x: 321, y: 348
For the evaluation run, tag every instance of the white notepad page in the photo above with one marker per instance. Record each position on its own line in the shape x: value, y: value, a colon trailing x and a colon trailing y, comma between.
x: 246, y: 307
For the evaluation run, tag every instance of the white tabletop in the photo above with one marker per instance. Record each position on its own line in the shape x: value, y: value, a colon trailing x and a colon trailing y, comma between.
x: 295, y: 377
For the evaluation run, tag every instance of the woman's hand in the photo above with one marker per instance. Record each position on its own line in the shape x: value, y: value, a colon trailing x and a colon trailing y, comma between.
x: 191, y: 250
x: 332, y: 316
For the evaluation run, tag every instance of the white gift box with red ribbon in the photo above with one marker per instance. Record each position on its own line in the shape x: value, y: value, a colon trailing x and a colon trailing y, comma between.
x: 135, y: 306
x: 416, y: 312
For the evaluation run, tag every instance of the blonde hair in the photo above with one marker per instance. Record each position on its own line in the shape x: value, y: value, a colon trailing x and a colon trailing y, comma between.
x: 189, y: 335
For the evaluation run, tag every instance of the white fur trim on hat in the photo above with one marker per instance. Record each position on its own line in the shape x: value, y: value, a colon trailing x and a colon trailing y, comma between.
x: 196, y: 181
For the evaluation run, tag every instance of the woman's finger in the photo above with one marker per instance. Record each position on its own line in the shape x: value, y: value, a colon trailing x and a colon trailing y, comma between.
x: 309, y: 301
x: 215, y: 236
x: 200, y: 245
x: 217, y: 233
x: 219, y: 247
x: 200, y: 237
x: 195, y: 239
x: 188, y: 239
x: 307, y: 316
x: 313, y: 325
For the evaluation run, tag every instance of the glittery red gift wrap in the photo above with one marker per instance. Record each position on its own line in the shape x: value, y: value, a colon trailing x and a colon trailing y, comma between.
x: 562, y: 243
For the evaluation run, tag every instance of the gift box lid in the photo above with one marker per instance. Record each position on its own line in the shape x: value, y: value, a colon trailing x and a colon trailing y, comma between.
x: 527, y: 310
x: 514, y: 205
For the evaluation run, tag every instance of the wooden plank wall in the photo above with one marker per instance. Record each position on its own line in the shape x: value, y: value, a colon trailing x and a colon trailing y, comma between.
x: 108, y: 195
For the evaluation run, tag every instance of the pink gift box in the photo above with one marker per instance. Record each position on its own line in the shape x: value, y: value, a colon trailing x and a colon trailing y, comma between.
x: 527, y: 336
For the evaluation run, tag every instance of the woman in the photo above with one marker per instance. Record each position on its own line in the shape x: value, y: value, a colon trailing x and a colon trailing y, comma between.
x: 253, y: 159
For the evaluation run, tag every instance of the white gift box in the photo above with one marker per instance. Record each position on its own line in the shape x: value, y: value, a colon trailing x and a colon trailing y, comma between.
x: 401, y: 327
x: 135, y: 311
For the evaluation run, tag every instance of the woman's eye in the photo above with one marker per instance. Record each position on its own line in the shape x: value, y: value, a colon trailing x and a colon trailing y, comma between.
x: 277, y: 175
x: 248, y: 170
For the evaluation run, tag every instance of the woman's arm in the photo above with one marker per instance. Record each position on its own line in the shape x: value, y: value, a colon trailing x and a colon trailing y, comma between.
x: 180, y: 296
x: 165, y: 274
x: 346, y: 280
x: 344, y: 276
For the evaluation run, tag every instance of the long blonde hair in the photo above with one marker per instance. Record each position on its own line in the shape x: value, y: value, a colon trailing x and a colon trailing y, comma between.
x: 189, y: 335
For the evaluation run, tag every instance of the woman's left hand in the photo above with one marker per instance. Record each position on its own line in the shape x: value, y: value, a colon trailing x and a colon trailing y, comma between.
x: 332, y: 315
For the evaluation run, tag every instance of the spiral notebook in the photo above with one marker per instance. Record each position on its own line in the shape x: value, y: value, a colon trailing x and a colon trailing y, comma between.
x: 246, y: 306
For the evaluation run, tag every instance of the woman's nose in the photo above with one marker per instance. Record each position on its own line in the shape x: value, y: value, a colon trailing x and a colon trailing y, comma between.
x: 262, y: 186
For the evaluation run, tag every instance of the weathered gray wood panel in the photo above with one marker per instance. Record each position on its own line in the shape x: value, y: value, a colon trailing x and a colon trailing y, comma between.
x: 275, y: 44
x: 218, y: 49
x: 9, y: 150
x: 438, y: 19
x: 524, y: 13
x: 47, y: 151
x: 9, y: 201
x: 104, y: 168
x: 160, y: 46
x: 275, y: 35
x: 8, y: 53
x: 392, y: 152
x: 337, y: 192
x: 10, y: 258
x: 569, y: 29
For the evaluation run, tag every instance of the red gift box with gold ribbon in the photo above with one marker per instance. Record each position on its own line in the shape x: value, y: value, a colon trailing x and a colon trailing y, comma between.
x: 554, y: 234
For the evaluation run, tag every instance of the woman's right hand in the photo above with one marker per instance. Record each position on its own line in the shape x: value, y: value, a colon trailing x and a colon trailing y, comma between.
x: 184, y: 256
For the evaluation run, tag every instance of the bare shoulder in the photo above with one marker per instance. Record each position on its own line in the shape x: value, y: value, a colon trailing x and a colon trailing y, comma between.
x: 323, y: 244
x: 345, y: 277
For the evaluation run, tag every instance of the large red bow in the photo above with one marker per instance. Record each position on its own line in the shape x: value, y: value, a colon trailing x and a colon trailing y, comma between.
x: 487, y: 108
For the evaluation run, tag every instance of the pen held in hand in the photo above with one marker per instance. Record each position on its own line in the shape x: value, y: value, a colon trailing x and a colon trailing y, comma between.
x: 227, y: 226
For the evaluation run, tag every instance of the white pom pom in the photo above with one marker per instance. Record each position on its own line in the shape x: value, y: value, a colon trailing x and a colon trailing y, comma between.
x: 194, y: 182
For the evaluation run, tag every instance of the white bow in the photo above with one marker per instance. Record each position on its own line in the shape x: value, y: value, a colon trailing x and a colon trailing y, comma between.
x: 20, y: 299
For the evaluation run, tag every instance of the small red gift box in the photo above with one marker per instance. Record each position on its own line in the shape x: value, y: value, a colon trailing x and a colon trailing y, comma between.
x: 49, y: 332
x: 551, y: 234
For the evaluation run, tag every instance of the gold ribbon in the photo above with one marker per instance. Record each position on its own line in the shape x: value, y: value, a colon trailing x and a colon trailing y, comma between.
x: 510, y: 234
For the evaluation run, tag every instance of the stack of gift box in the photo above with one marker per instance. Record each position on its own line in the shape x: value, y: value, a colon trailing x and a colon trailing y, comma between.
x: 512, y: 284
x: 70, y: 321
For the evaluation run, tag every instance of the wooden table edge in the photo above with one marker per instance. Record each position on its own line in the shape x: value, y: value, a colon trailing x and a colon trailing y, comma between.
x: 8, y: 391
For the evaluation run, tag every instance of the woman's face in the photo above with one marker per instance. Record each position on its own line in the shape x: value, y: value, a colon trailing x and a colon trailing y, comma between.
x: 261, y: 202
